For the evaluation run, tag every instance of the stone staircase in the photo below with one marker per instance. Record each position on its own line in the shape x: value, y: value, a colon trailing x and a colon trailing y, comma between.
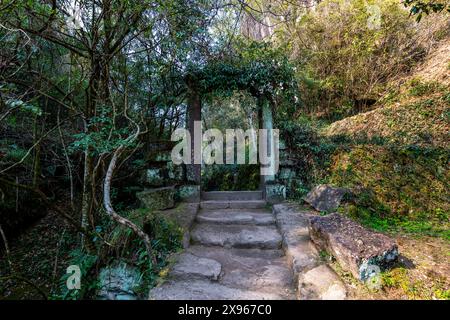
x: 235, y: 253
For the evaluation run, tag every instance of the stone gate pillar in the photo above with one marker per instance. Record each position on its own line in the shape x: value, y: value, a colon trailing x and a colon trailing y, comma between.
x: 266, y: 122
x: 273, y: 192
x: 194, y: 113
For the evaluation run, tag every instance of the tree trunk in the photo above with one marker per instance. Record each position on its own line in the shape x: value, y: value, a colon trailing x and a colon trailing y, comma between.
x: 116, y: 217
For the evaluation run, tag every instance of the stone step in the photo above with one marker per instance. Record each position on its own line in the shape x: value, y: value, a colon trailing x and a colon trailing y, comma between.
x: 251, y: 269
x: 234, y: 216
x: 225, y: 204
x: 206, y: 290
x: 232, y: 195
x: 189, y: 266
x: 236, y: 236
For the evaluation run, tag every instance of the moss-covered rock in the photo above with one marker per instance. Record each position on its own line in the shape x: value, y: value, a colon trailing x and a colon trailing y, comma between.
x: 158, y: 198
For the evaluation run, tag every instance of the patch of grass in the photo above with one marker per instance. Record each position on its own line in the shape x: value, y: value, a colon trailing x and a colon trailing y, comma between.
x: 397, y: 188
x: 400, y: 279
x: 418, y: 87
x: 402, y: 225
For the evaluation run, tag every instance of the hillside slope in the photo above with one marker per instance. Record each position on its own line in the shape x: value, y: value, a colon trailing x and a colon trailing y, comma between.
x: 414, y: 110
x: 399, y: 159
x: 396, y: 160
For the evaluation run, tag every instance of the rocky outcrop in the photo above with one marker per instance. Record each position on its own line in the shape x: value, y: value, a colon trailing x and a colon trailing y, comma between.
x: 325, y: 198
x: 358, y: 250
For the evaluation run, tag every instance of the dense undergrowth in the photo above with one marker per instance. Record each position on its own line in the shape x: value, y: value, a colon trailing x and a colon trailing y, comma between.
x: 124, y: 246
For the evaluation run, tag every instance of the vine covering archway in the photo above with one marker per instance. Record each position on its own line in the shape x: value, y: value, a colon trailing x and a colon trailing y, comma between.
x: 264, y: 74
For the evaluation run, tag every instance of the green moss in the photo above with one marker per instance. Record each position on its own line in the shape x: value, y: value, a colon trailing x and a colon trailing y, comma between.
x: 397, y: 188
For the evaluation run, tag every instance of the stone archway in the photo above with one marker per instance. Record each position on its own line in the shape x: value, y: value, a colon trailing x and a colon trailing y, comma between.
x: 265, y: 118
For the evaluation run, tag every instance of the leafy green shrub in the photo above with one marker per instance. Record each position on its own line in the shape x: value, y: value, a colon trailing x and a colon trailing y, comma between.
x: 86, y: 263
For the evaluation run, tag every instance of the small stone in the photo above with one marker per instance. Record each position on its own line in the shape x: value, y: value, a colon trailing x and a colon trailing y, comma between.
x: 325, y: 198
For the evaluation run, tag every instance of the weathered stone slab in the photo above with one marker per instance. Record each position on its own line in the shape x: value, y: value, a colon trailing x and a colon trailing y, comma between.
x: 320, y: 283
x: 214, y: 204
x: 224, y: 204
x: 237, y: 236
x: 189, y: 267
x: 260, y: 270
x: 232, y: 195
x: 356, y: 248
x: 236, y: 216
x: 292, y: 222
x: 158, y: 198
x: 249, y: 204
x: 325, y: 198
x: 206, y: 290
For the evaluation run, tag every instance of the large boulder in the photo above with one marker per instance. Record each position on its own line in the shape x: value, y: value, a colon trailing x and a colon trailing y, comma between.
x: 158, y: 198
x: 119, y: 282
x: 358, y: 250
x: 325, y: 197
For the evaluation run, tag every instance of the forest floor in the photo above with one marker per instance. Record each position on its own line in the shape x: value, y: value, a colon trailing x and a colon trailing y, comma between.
x: 40, y: 255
